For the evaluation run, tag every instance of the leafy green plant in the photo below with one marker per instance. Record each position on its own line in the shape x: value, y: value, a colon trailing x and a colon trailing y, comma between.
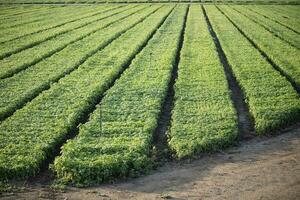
x: 203, y: 117
x: 285, y: 56
x: 26, y: 85
x: 40, y: 50
x: 121, y: 145
x: 31, y: 134
x: 272, y: 101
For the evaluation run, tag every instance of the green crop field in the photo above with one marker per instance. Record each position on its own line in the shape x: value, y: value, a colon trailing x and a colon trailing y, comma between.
x: 102, y: 92
x: 287, y: 2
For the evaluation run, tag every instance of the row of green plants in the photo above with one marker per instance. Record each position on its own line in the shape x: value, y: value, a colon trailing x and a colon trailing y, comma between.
x: 277, y: 29
x: 22, y: 15
x: 30, y: 20
x: 290, y: 11
x: 30, y: 136
x: 14, y: 46
x: 28, y: 57
x: 117, y: 140
x: 10, y: 9
x: 281, y: 17
x: 272, y: 100
x: 282, y: 54
x: 63, y: 15
x: 12, y: 12
x: 203, y: 118
x: 27, y: 84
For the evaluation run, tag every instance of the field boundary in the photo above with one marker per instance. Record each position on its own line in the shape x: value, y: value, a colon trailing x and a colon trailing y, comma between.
x: 82, y: 3
x: 42, y: 183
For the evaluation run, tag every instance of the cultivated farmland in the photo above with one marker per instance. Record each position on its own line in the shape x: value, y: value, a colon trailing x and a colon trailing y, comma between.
x: 100, y: 93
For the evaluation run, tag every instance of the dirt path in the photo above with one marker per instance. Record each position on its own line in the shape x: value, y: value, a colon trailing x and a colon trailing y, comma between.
x: 261, y: 168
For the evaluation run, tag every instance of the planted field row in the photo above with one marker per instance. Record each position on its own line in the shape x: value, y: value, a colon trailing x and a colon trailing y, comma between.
x: 44, y: 16
x: 276, y: 29
x: 117, y: 139
x: 28, y: 57
x: 17, y: 11
x: 282, y: 54
x: 53, y: 115
x: 14, y: 46
x: 203, y: 117
x: 103, y: 80
x: 290, y: 11
x: 42, y: 13
x: 24, y: 86
x: 63, y: 16
x: 272, y: 101
x: 280, y: 18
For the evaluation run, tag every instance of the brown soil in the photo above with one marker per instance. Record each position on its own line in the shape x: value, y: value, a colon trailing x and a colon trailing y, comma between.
x: 260, y: 168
